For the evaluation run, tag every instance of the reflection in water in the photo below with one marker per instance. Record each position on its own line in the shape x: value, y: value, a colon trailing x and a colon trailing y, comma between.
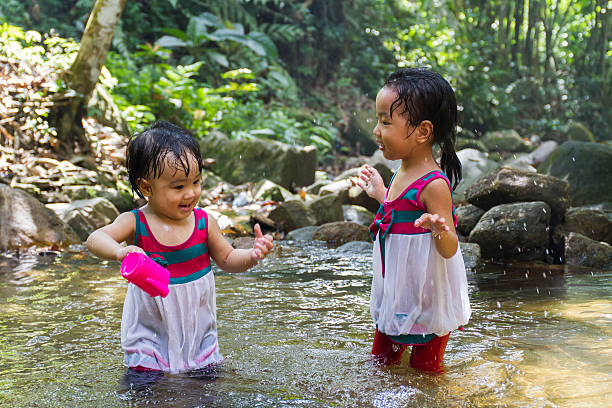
x: 296, y: 332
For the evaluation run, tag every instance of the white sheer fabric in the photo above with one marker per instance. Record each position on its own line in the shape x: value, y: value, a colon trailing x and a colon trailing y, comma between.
x: 173, y: 334
x: 422, y: 292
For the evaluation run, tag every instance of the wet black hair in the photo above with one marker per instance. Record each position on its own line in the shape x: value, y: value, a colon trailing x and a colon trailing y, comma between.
x: 148, y: 151
x: 426, y: 95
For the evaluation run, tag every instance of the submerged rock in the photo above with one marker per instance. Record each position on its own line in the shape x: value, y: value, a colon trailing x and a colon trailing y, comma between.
x: 338, y: 233
x: 302, y: 234
x: 355, y: 248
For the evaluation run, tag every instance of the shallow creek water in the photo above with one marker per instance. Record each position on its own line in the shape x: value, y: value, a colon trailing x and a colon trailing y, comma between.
x: 296, y: 332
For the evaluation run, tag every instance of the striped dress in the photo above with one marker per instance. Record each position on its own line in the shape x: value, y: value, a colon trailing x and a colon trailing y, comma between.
x: 179, y: 332
x: 416, y: 293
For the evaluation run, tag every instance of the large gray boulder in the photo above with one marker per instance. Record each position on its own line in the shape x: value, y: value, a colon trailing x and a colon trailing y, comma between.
x: 241, y: 160
x: 25, y: 222
x: 510, y: 185
x: 292, y: 214
x: 586, y: 166
x: 514, y: 231
x: 326, y: 209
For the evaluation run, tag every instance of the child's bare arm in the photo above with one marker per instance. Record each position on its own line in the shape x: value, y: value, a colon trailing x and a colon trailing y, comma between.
x: 439, y: 217
x: 236, y: 260
x: 106, y: 241
x: 372, y: 183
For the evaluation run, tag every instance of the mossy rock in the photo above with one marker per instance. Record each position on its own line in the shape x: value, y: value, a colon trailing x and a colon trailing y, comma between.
x: 578, y: 132
x: 586, y: 166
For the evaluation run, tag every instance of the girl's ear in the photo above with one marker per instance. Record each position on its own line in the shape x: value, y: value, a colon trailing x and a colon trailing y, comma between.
x: 425, y: 132
x: 144, y: 186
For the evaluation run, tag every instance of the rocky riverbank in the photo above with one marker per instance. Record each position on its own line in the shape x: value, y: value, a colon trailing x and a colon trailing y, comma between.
x: 529, y: 201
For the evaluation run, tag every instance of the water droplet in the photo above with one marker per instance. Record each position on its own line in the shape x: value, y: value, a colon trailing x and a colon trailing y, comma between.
x: 573, y: 159
x: 498, y: 303
x: 545, y: 313
x: 537, y: 290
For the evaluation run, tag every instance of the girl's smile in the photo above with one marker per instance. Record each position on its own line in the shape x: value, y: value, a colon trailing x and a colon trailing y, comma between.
x: 174, y: 194
x: 392, y: 129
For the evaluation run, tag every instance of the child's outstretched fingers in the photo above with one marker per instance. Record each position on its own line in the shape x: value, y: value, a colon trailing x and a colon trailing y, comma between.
x: 371, y: 182
x: 433, y: 222
x: 262, y: 245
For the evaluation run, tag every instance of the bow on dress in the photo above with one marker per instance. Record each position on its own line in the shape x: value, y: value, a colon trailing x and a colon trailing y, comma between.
x: 381, y: 227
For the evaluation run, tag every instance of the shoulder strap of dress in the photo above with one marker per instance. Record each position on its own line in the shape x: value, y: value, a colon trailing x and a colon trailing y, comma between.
x: 201, y: 218
x: 428, y: 178
x: 139, y: 225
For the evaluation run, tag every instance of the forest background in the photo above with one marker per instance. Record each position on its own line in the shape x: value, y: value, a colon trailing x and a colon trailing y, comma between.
x: 306, y: 72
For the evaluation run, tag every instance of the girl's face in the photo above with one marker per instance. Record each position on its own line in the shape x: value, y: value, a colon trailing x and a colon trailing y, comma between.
x: 393, y: 134
x: 174, y: 194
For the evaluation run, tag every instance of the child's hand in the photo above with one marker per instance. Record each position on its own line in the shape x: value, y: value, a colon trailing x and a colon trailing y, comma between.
x: 372, y: 183
x: 433, y: 222
x: 122, y: 253
x: 262, y: 245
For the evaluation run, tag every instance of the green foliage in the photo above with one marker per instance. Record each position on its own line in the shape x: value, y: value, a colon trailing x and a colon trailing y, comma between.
x: 253, y: 68
x: 39, y: 60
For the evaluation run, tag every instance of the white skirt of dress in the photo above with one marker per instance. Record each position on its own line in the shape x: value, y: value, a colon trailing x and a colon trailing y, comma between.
x: 173, y: 334
x: 422, y: 292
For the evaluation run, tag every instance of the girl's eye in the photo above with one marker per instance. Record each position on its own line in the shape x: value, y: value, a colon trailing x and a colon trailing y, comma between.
x: 179, y: 187
x: 197, y: 182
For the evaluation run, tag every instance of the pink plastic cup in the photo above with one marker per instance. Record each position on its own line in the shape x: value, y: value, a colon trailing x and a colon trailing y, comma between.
x: 145, y: 273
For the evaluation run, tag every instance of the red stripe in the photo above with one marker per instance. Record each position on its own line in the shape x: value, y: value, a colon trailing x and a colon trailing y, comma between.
x: 406, y: 228
x: 181, y: 269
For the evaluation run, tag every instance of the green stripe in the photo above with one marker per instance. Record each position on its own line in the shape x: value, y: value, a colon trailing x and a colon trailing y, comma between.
x: 141, y: 229
x: 202, y: 223
x: 183, y: 255
x: 190, y: 278
x: 412, y: 338
x: 411, y: 194
x: 432, y: 174
x: 407, y: 216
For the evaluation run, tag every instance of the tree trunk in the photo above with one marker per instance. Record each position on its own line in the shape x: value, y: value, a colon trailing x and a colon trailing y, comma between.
x: 518, y: 24
x: 83, y: 75
x: 528, y: 35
